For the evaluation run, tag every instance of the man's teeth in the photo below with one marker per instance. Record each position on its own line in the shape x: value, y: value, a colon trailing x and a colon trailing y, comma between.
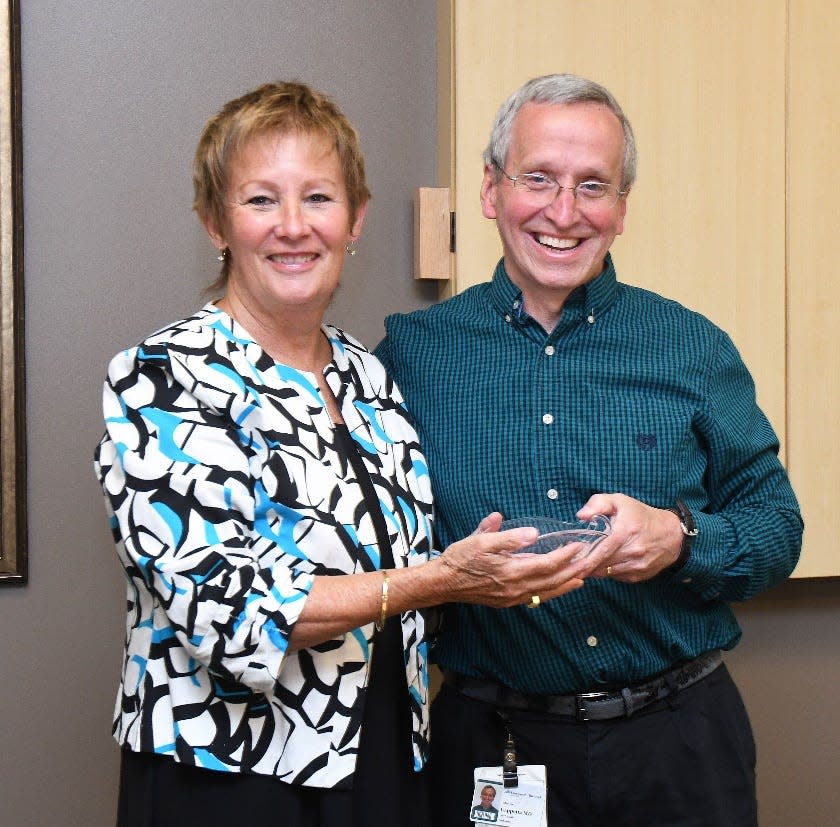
x: 558, y: 243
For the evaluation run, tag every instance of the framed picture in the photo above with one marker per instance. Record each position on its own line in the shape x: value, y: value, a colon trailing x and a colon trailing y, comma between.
x: 13, y: 547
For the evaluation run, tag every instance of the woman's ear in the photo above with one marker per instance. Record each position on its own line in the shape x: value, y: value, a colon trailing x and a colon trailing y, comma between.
x: 358, y: 223
x: 216, y: 238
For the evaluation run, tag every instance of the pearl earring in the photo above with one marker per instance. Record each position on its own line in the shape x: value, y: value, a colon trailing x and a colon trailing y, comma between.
x: 222, y: 254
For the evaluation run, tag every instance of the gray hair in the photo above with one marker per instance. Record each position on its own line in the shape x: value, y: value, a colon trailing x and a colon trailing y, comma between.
x: 558, y: 89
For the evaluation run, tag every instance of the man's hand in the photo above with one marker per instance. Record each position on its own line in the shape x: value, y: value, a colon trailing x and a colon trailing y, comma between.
x: 643, y: 542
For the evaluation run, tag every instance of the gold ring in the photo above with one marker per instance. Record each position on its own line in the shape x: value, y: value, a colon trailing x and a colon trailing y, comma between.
x: 609, y: 571
x: 535, y: 601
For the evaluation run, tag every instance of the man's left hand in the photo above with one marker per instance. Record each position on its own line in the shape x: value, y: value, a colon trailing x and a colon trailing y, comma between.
x: 644, y: 540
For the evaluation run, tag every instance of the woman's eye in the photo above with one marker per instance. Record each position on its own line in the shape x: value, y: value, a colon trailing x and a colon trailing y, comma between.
x: 318, y: 198
x: 260, y: 201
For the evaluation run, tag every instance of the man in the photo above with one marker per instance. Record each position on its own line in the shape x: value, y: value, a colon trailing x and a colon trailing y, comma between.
x: 556, y: 390
x: 485, y: 811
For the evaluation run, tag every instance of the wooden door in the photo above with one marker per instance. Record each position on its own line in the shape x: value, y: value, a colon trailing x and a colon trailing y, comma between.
x: 735, y: 111
x: 813, y: 188
x: 704, y: 87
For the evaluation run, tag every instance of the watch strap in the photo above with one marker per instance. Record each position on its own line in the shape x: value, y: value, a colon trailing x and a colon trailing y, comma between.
x: 689, y: 530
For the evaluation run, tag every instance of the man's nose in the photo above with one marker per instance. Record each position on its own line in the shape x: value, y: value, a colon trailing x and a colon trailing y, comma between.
x: 562, y: 209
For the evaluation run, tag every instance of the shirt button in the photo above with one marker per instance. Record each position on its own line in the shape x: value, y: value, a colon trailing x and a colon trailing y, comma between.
x: 549, y: 350
x: 592, y: 641
x: 507, y: 317
x: 551, y: 493
x: 547, y: 419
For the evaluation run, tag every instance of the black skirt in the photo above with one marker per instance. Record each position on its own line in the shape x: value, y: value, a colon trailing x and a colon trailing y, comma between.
x: 157, y: 791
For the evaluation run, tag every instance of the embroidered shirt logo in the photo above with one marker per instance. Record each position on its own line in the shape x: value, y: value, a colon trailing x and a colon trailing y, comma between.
x: 646, y: 442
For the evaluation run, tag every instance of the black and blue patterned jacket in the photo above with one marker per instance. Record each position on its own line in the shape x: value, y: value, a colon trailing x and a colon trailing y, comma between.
x: 227, y: 497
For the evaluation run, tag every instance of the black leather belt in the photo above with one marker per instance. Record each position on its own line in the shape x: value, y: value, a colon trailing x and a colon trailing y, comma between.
x: 590, y: 706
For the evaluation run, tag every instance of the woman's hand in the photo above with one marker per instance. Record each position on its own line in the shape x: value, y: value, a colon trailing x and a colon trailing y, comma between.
x: 488, y: 568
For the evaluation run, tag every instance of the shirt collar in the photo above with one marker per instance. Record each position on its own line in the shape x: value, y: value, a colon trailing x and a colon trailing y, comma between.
x: 588, y: 301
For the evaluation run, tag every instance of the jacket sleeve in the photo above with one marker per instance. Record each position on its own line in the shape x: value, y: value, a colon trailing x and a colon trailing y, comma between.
x: 750, y: 528
x: 190, y: 519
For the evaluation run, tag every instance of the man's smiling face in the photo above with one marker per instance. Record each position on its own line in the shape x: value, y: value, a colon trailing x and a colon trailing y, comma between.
x: 552, y: 247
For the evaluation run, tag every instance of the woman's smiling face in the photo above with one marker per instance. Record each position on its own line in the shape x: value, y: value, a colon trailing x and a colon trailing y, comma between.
x: 287, y: 223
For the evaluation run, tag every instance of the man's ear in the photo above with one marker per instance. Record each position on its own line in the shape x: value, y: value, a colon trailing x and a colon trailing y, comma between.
x: 489, y: 190
x: 622, y: 211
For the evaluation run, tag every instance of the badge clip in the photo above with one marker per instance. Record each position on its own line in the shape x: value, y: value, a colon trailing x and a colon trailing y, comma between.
x: 509, y: 773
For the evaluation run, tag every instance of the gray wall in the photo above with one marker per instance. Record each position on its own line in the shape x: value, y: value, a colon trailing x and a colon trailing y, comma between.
x: 115, y: 94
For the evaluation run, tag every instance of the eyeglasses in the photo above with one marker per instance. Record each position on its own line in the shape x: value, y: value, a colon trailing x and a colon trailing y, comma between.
x: 541, y: 184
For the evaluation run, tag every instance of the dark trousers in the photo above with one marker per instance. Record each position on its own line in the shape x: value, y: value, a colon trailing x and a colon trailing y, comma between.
x: 687, y: 760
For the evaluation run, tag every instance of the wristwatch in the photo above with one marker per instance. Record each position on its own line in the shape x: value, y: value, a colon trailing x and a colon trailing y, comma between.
x: 689, y: 530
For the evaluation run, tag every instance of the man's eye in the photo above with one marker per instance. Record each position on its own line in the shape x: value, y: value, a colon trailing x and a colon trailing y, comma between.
x: 593, y: 189
x: 537, y: 181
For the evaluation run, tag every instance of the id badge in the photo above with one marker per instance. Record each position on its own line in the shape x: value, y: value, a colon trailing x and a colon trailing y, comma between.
x: 523, y: 805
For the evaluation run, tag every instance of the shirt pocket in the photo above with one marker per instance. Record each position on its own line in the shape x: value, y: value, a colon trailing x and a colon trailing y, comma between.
x: 639, y: 444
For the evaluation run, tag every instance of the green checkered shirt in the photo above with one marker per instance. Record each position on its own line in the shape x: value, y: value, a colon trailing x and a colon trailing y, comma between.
x: 630, y: 393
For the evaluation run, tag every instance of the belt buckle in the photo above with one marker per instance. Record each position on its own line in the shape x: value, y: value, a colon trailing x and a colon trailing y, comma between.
x: 580, y: 703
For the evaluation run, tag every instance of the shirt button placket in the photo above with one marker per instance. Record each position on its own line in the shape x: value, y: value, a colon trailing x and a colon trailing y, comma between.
x: 548, y: 419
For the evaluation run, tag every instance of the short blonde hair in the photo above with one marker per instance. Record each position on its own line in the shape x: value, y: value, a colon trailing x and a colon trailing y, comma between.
x: 271, y: 109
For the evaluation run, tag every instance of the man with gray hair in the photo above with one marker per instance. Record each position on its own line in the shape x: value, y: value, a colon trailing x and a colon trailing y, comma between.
x: 556, y: 390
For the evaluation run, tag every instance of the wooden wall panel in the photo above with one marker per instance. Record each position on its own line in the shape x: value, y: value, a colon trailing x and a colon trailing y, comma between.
x: 703, y: 85
x: 813, y: 186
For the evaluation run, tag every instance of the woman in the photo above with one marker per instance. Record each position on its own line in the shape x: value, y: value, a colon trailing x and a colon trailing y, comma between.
x: 272, y: 510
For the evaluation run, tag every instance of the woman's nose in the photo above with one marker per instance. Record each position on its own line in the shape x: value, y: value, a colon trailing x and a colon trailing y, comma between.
x: 290, y: 219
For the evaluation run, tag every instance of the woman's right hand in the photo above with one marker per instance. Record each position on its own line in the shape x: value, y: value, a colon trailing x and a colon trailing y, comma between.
x: 488, y: 568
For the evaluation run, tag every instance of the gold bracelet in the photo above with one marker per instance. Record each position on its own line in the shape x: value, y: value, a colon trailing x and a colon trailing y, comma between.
x: 383, y: 612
